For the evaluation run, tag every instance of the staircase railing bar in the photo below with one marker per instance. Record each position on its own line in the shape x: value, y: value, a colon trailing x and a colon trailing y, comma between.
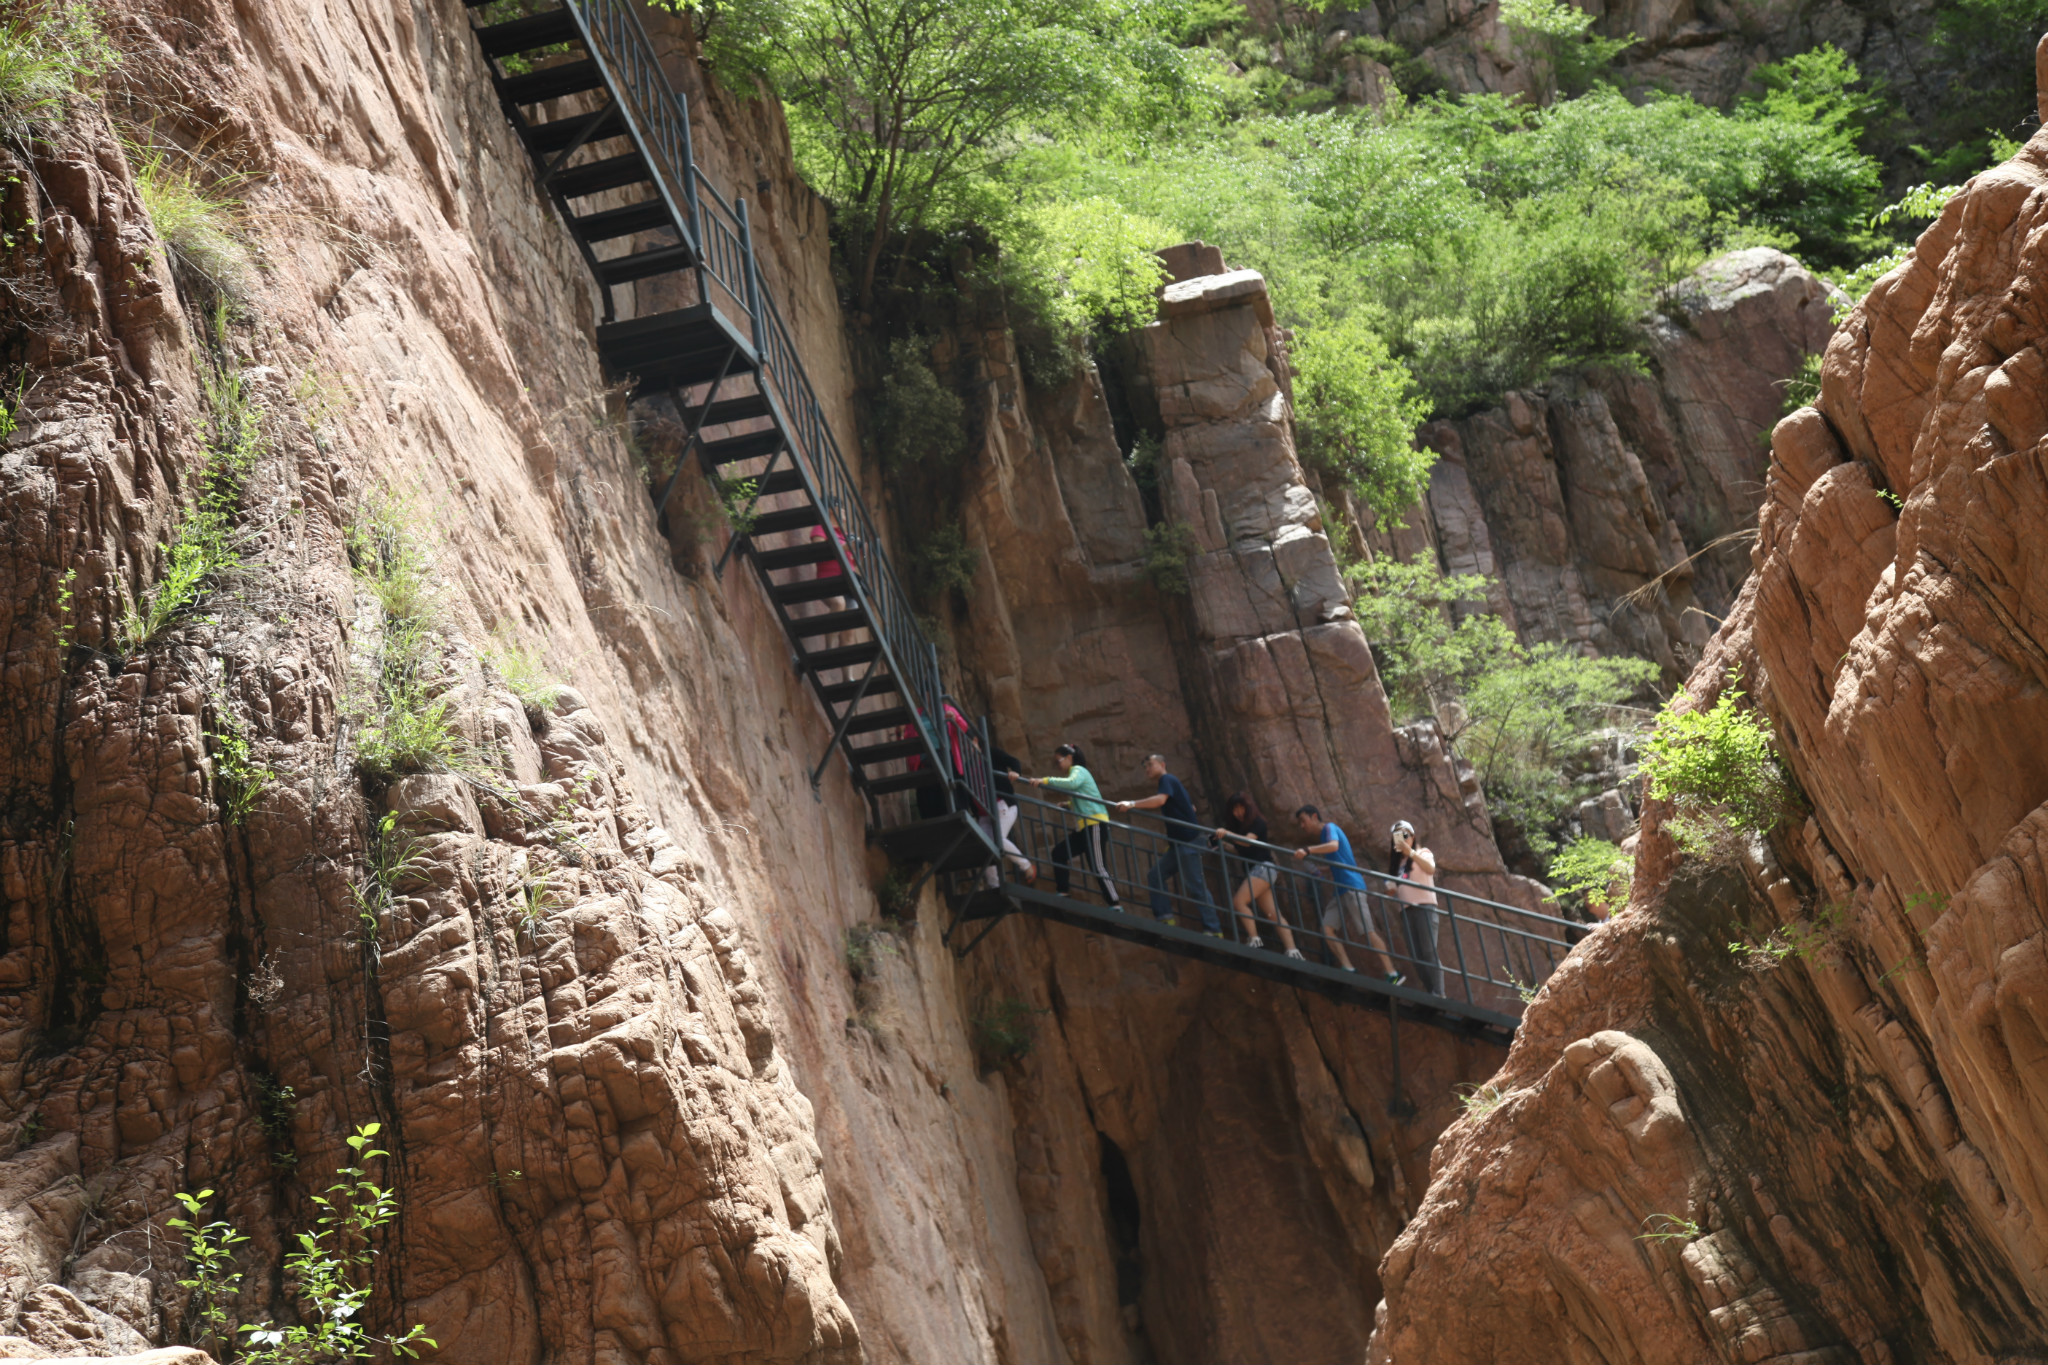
x: 660, y: 127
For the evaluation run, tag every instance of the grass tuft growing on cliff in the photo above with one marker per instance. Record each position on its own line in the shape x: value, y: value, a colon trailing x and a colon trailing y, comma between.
x: 50, y: 50
x: 199, y: 224
x: 409, y: 724
x: 205, y: 548
x: 523, y: 673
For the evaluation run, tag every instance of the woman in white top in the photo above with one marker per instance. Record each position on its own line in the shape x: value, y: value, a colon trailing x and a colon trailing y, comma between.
x: 1416, y: 867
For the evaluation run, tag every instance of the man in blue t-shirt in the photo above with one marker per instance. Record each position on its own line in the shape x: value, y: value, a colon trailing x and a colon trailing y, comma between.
x: 1349, y: 911
x: 1182, y: 860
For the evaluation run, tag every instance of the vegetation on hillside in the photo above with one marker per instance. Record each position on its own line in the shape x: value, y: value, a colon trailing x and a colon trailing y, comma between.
x: 1428, y: 254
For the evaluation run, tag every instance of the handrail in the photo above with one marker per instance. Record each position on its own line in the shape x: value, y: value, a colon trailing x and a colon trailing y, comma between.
x: 618, y: 43
x: 1486, y: 954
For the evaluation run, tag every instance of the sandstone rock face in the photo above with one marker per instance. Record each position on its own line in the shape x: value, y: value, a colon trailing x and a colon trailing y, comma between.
x: 1707, y: 51
x: 1615, y: 508
x: 1843, y: 1147
x: 604, y: 1019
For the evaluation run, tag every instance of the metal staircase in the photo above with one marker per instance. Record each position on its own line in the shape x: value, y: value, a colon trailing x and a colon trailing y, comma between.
x: 610, y: 141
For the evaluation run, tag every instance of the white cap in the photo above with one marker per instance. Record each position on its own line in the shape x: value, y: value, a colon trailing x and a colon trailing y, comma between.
x: 1402, y: 827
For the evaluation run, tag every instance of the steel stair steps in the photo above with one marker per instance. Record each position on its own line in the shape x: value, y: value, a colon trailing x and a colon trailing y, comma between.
x: 526, y: 34
x: 595, y: 177
x: 866, y: 755
x: 831, y: 623
x: 880, y: 684
x: 744, y: 408
x: 807, y: 590
x: 551, y: 82
x: 790, y: 519
x: 867, y: 722
x: 623, y: 221
x: 549, y: 138
x: 656, y: 261
x: 902, y: 782
x: 843, y: 656
x: 811, y: 552
x: 751, y: 445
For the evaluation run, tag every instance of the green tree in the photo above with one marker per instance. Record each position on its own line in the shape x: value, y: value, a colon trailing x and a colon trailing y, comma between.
x: 1429, y: 639
x: 902, y: 109
x: 1357, y: 410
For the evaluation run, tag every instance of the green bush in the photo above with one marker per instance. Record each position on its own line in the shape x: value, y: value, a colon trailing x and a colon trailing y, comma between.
x: 1592, y: 873
x: 330, y: 1271
x: 946, y: 562
x: 1532, y: 722
x: 1356, y: 414
x: 1005, y: 1031
x: 1571, y: 56
x: 1168, y: 548
x: 49, y: 51
x: 1412, y: 76
x: 408, y: 724
x: 1720, y: 768
x: 916, y: 417
x: 1430, y: 638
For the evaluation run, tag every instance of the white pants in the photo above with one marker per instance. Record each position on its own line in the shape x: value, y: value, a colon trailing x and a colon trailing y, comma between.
x: 1006, y: 819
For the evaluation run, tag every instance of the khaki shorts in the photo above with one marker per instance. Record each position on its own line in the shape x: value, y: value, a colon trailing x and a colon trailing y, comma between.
x: 1354, y: 908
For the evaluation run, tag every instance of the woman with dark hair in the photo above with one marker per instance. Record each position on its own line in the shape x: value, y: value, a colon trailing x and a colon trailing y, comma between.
x: 1416, y: 867
x: 1245, y: 827
x: 1076, y: 781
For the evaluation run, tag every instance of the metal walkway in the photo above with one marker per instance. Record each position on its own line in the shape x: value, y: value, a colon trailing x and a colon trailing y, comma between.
x: 610, y: 141
x: 1469, y: 963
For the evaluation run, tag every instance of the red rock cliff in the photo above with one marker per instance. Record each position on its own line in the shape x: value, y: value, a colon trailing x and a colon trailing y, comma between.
x: 1848, y: 1143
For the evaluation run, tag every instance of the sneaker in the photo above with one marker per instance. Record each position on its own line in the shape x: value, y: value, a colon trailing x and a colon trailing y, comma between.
x: 1295, y: 953
x: 1350, y: 969
x: 1396, y: 979
x: 1255, y: 942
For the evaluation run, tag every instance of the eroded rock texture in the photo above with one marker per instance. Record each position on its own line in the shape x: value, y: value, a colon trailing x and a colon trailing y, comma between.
x: 1616, y: 508
x: 1843, y: 1146
x: 604, y: 1018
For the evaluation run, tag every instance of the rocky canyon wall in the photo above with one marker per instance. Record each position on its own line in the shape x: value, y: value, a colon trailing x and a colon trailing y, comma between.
x: 1840, y: 1143
x: 604, y: 1019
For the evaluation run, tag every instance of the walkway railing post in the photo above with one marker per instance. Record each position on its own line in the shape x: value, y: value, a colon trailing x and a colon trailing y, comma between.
x: 753, y: 299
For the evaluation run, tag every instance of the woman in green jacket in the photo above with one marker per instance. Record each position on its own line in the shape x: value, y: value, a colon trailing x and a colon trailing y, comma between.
x: 1075, y: 780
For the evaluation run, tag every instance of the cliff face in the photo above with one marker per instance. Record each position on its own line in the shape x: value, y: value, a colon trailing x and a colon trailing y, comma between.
x: 1616, y: 508
x: 1844, y: 1146
x: 603, y: 1017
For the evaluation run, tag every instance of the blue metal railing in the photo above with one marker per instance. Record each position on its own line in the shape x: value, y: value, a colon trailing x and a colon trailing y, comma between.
x: 1472, y: 954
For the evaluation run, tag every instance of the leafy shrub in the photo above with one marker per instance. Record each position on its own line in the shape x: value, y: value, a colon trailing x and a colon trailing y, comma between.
x: 946, y: 562
x: 1592, y: 873
x: 1412, y: 76
x: 1561, y: 34
x: 1005, y: 1031
x: 1532, y: 722
x: 1428, y: 636
x: 1168, y: 548
x: 1357, y: 414
x: 49, y: 50
x: 205, y: 546
x: 240, y: 778
x: 916, y: 417
x: 330, y: 1274
x: 1094, y: 263
x: 1721, y: 769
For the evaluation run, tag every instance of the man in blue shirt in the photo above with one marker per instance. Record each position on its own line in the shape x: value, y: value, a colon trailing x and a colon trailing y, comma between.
x: 1349, y: 911
x: 1182, y: 860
